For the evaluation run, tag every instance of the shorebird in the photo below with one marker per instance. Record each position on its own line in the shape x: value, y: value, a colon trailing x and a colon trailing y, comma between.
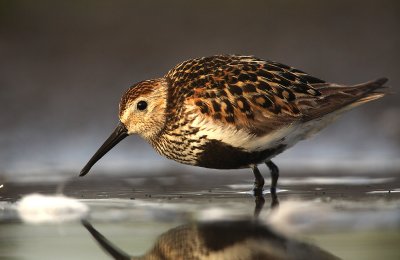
x: 231, y: 112
x: 227, y: 239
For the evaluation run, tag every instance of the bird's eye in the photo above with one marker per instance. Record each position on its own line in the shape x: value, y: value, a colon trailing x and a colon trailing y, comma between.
x: 141, y: 105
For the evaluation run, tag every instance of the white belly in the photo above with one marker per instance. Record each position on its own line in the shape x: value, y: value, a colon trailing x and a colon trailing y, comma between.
x: 242, y: 138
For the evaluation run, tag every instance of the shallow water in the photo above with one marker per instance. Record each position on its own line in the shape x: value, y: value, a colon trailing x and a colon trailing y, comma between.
x: 350, y: 216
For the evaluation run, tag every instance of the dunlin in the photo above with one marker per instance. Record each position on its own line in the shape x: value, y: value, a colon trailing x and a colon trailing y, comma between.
x: 231, y: 112
x: 222, y: 240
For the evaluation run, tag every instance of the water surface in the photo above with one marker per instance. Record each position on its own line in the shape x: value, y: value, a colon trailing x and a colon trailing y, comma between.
x: 351, y: 216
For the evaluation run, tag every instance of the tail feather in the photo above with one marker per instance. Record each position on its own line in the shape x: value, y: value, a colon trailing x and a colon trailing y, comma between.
x: 368, y: 91
x: 339, y: 98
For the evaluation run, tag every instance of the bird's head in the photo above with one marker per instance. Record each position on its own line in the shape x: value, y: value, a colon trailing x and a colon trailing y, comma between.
x: 141, y: 111
x: 142, y: 108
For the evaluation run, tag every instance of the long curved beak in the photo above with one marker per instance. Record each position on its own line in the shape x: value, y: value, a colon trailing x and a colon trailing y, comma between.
x: 119, y: 133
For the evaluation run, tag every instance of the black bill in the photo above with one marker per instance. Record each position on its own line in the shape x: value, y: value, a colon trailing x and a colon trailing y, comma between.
x: 119, y: 133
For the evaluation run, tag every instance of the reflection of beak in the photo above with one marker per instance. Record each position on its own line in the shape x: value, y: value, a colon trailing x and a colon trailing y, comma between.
x: 104, y: 243
x: 119, y: 133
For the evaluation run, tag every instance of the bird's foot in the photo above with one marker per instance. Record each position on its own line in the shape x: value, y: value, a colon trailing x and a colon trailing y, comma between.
x: 258, y: 191
x: 259, y: 205
x: 274, y: 198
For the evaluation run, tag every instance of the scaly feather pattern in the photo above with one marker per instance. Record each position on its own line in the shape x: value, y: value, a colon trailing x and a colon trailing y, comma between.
x: 243, y: 91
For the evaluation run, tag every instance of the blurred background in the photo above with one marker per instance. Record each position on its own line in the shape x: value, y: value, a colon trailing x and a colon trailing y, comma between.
x: 65, y: 64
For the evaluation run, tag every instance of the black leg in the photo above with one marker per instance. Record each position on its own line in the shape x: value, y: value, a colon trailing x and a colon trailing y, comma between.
x: 274, y: 174
x: 259, y: 205
x: 259, y: 179
x: 258, y: 190
x: 274, y: 181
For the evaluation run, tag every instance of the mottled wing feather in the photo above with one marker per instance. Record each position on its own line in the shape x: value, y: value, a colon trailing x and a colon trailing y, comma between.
x: 243, y: 91
x: 336, y: 97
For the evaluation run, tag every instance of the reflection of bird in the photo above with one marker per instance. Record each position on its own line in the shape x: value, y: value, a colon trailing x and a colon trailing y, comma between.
x: 240, y: 239
x: 229, y: 112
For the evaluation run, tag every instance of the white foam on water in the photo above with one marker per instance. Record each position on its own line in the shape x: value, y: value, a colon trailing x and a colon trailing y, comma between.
x: 37, y: 209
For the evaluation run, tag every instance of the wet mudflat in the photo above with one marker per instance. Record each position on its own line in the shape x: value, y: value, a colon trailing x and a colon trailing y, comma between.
x: 348, y: 215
